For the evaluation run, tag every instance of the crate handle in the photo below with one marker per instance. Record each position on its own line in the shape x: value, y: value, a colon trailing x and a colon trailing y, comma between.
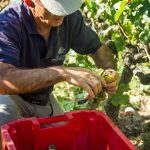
x: 55, y: 119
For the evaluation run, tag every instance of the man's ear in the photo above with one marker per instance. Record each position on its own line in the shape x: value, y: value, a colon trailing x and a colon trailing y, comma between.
x: 29, y: 3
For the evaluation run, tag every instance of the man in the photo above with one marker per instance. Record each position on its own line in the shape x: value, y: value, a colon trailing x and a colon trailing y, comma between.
x: 34, y: 39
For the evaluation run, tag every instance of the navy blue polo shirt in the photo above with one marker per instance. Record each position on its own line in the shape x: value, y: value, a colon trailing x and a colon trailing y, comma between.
x: 22, y: 46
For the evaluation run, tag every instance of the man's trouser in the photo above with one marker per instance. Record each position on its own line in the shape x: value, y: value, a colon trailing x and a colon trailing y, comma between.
x: 13, y: 107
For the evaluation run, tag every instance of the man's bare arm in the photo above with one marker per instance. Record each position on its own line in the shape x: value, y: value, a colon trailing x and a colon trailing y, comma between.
x: 18, y: 81
x: 104, y: 58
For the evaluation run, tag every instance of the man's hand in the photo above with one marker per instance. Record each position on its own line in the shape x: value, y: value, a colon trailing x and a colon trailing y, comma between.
x: 104, y: 58
x: 112, y: 80
x: 86, y: 79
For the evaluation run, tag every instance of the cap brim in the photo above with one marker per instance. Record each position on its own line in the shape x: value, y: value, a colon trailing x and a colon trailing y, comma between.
x: 62, y: 7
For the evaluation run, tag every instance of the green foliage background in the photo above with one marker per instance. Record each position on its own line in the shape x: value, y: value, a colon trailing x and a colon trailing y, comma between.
x: 119, y: 21
x: 122, y: 22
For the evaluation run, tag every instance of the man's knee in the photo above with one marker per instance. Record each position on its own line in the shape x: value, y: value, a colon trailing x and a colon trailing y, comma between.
x: 57, y: 110
x: 8, y: 113
x: 8, y: 110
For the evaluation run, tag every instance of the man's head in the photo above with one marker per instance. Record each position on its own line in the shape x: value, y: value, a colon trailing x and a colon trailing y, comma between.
x: 52, y: 12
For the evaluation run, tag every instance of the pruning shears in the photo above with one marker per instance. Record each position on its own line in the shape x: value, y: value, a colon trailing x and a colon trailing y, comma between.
x: 83, y: 101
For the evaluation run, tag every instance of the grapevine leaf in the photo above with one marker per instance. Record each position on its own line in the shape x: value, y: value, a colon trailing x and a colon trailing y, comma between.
x: 120, y: 97
x: 144, y: 8
x: 88, y: 3
x: 94, y: 7
x: 119, y: 41
x: 120, y: 10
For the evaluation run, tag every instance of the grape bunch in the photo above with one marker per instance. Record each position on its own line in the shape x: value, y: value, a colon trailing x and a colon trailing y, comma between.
x: 108, y: 75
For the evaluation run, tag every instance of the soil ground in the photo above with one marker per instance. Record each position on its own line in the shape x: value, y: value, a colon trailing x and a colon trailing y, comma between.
x: 136, y: 124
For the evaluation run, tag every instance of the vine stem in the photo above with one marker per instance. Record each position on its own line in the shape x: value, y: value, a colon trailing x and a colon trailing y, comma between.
x: 146, y: 49
x: 123, y: 32
x: 147, y: 54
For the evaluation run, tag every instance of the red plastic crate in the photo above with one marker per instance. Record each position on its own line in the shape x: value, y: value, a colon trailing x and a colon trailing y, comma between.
x: 82, y: 130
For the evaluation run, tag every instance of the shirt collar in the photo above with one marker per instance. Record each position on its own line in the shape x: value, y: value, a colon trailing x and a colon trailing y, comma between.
x: 28, y: 19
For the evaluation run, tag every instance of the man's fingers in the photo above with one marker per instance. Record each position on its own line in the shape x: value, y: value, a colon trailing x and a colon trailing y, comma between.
x: 103, y: 82
x: 112, y: 84
x: 92, y: 86
x: 112, y: 88
x: 96, y: 86
x: 89, y: 90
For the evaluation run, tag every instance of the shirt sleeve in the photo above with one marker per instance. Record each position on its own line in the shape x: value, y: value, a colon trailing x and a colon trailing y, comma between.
x: 9, y: 44
x: 84, y: 39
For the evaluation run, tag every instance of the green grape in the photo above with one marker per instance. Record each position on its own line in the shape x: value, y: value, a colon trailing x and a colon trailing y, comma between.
x: 108, y: 76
